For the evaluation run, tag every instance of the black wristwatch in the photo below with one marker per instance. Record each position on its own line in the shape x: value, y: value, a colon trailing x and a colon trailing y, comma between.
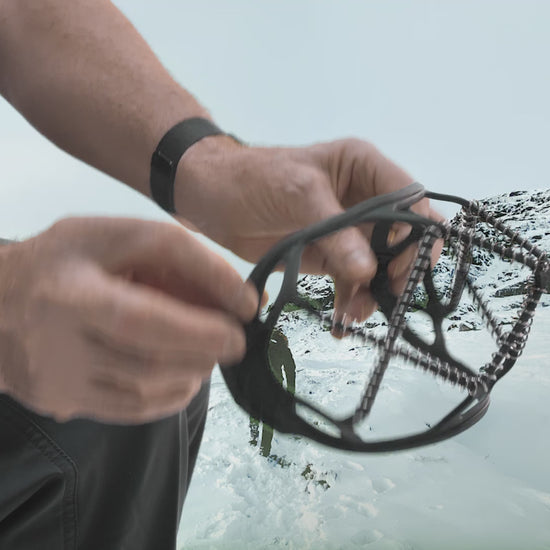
x: 168, y: 153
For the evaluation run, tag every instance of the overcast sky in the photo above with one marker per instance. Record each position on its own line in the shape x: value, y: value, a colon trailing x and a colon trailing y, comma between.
x: 458, y: 92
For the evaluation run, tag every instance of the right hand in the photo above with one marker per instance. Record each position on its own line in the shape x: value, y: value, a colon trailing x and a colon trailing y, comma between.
x: 265, y: 193
x: 119, y: 320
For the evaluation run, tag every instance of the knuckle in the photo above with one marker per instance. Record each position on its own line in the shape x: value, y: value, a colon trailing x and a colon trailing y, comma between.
x: 305, y: 179
x: 65, y: 229
x: 356, y: 144
x: 61, y: 225
x: 358, y: 147
x: 300, y: 185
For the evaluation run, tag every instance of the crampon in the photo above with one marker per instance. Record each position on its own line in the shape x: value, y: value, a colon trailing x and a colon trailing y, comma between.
x: 258, y: 392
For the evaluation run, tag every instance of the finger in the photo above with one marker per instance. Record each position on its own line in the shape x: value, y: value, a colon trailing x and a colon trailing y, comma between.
x: 154, y: 382
x: 348, y: 256
x: 386, y: 175
x: 111, y: 403
x: 146, y: 319
x: 353, y: 304
x: 343, y: 294
x: 345, y: 254
x: 402, y: 265
x: 363, y: 304
x: 374, y: 174
x: 196, y: 274
x: 165, y: 255
x: 398, y: 284
x: 115, y: 359
x: 206, y: 274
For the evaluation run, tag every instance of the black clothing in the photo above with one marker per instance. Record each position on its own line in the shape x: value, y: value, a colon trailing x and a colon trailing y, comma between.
x: 84, y: 485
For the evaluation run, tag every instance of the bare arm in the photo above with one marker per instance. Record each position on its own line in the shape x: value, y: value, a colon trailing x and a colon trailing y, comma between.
x: 84, y: 77
x: 81, y: 73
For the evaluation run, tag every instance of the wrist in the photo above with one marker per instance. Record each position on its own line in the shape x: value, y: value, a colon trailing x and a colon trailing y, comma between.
x: 169, y: 152
x: 204, y: 164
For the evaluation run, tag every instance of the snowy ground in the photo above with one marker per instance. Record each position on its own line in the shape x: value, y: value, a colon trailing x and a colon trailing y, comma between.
x: 487, y: 488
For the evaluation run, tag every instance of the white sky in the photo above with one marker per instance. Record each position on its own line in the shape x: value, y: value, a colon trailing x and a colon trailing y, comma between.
x: 458, y: 92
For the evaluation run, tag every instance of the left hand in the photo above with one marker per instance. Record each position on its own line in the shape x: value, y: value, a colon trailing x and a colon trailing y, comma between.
x: 248, y: 198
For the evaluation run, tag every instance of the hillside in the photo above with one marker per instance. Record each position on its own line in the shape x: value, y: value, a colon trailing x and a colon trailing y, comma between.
x: 488, y: 487
x: 526, y: 212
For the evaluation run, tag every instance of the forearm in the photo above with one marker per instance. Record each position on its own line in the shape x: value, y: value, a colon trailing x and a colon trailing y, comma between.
x: 84, y: 77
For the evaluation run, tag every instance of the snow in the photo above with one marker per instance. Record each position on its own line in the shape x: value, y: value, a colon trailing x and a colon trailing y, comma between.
x: 486, y: 488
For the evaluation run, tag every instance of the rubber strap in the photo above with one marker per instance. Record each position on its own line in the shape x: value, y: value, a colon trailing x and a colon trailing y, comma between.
x: 168, y: 153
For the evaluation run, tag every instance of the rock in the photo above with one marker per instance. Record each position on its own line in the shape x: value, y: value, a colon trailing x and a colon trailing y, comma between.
x: 527, y: 212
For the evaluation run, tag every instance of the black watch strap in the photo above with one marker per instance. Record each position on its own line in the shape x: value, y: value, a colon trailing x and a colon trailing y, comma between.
x: 169, y: 152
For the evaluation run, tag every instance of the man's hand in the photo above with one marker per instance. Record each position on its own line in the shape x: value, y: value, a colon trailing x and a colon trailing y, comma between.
x: 244, y: 198
x: 116, y: 319
x: 249, y: 198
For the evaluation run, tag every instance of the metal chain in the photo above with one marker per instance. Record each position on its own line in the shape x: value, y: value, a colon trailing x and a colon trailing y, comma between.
x: 511, y: 343
x: 397, y: 322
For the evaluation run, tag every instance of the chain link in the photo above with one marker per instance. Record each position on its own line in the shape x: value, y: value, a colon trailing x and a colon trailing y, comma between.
x: 510, y: 343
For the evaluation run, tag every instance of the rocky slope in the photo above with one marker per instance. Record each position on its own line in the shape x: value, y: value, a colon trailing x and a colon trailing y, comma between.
x: 526, y: 212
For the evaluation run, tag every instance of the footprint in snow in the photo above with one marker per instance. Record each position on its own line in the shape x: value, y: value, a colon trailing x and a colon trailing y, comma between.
x: 382, y: 485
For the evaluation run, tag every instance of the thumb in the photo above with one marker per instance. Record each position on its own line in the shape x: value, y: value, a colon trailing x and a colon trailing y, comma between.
x: 344, y: 254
